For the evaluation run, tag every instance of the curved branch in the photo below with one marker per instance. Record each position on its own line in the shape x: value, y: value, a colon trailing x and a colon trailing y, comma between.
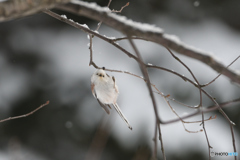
x: 19, y: 8
x: 25, y: 115
x: 148, y: 32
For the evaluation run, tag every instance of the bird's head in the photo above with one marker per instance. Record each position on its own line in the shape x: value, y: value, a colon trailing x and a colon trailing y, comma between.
x: 100, y: 73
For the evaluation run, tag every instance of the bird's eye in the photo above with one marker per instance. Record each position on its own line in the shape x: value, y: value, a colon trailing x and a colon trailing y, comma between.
x: 103, y: 75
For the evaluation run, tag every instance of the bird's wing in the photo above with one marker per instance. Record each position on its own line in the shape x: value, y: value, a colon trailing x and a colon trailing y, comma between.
x: 109, y: 106
x: 121, y: 115
x: 115, y: 86
x: 104, y: 106
x: 93, y: 90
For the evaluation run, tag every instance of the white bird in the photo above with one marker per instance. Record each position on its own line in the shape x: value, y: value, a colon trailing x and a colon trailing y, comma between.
x: 105, y: 90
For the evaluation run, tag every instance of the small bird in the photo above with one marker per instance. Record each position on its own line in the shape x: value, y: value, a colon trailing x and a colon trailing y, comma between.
x: 105, y: 90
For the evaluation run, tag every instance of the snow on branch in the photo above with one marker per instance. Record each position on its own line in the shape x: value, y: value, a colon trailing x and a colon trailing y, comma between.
x: 147, y: 32
x: 19, y: 8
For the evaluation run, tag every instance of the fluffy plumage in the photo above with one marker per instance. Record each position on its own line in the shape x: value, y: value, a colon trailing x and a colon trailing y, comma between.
x: 105, y: 90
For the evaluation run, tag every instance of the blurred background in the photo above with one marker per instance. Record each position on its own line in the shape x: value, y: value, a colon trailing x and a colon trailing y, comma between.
x: 44, y: 59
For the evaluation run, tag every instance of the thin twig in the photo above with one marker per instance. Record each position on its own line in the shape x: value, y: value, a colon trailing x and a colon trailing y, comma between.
x: 119, y: 11
x: 100, y: 14
x: 168, y: 103
x: 146, y: 76
x: 174, y: 100
x: 209, y: 109
x: 204, y: 85
x: 90, y: 48
x: 91, y: 52
x: 187, y: 79
x: 126, y: 38
x: 200, y: 121
x: 189, y: 70
x: 200, y: 104
x: 161, y: 141
x: 85, y: 29
x: 183, y: 122
x: 100, y: 23
x: 217, y: 106
x: 25, y: 115
x: 233, y: 140
x: 154, y: 154
x: 205, y: 132
x: 116, y: 11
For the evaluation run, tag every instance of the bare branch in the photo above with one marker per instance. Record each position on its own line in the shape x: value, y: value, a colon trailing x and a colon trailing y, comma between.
x: 207, y: 110
x: 91, y: 52
x: 116, y: 11
x: 10, y: 10
x: 200, y: 104
x: 206, y: 136
x: 173, y: 110
x: 86, y: 29
x: 189, y: 70
x: 133, y: 30
x: 220, y: 73
x: 100, y: 23
x: 19, y: 8
x: 161, y: 141
x: 25, y: 115
x: 154, y: 154
x: 147, y: 32
x: 146, y: 76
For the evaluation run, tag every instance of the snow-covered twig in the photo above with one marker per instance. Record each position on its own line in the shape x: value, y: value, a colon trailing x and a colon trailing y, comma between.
x: 11, y: 10
x: 147, y: 32
x: 100, y: 23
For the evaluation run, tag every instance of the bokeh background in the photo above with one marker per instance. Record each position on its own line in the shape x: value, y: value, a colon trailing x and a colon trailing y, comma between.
x: 44, y: 59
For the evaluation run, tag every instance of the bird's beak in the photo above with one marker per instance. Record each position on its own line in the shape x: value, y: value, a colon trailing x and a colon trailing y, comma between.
x: 101, y: 76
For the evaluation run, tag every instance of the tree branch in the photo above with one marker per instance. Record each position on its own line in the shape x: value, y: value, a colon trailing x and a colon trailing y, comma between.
x: 147, y: 32
x: 25, y: 115
x: 146, y: 76
x: 19, y: 8
x: 87, y: 30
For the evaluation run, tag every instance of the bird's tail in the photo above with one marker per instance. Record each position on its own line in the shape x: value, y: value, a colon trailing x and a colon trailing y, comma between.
x: 121, y: 115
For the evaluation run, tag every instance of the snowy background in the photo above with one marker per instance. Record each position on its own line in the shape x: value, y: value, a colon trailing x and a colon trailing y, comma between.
x: 43, y: 59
